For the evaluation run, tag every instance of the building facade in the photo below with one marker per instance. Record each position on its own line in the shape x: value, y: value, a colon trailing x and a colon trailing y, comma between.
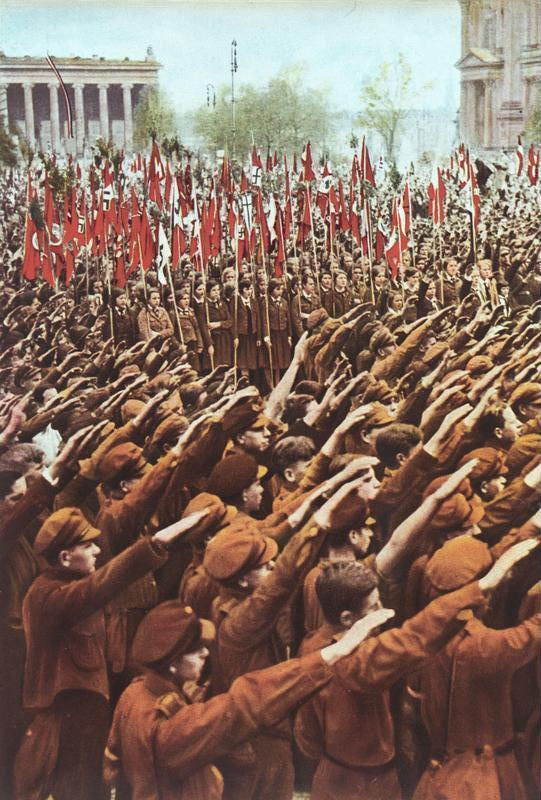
x: 500, y: 70
x: 102, y: 92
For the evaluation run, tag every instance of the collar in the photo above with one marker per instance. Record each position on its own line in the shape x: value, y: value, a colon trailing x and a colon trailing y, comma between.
x: 158, y: 684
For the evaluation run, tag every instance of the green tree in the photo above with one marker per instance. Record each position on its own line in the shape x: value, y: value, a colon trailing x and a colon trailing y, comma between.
x: 533, y: 128
x: 280, y: 116
x: 385, y: 101
x: 154, y: 118
x: 8, y: 150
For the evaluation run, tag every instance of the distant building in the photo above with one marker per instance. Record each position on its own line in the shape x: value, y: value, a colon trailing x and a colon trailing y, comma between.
x: 500, y: 70
x: 103, y: 93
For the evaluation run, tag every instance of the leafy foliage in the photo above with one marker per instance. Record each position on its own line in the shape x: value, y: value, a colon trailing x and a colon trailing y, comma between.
x: 281, y: 116
x: 61, y: 180
x: 385, y: 101
x: 8, y: 151
x: 533, y: 128
x: 154, y: 118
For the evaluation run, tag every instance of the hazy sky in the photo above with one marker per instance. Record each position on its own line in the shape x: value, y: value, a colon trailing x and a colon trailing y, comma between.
x: 340, y: 42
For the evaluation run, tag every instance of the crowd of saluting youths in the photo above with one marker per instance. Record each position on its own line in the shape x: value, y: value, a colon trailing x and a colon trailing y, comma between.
x: 269, y: 485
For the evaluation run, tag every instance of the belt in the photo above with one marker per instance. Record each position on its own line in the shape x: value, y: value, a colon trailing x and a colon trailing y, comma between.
x: 486, y: 749
x: 375, y: 770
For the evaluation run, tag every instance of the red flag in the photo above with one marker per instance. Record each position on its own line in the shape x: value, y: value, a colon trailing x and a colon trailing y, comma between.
x: 257, y: 169
x: 381, y: 240
x: 156, y: 174
x: 306, y: 159
x: 436, y: 197
x: 322, y: 195
x: 344, y: 219
x: 367, y: 172
x: 31, y: 261
x: 354, y: 215
x: 147, y: 240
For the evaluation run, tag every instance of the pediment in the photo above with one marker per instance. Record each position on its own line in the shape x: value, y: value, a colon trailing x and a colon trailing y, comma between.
x: 479, y: 58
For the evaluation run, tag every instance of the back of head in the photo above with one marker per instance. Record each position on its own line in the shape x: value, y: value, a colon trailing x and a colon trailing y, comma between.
x: 395, y: 440
x: 343, y: 586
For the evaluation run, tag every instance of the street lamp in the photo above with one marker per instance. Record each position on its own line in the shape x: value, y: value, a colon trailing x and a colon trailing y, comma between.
x: 234, y: 67
x: 211, y: 96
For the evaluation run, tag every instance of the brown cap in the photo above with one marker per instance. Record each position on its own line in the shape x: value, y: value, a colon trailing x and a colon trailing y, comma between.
x: 379, y: 390
x: 490, y: 463
x: 63, y: 529
x: 351, y: 514
x: 130, y: 409
x: 456, y: 513
x: 171, y: 427
x: 122, y: 461
x: 315, y: 318
x: 217, y: 517
x: 233, y: 474
x: 381, y: 338
x: 478, y: 365
x: 526, y: 393
x: 169, y: 629
x: 458, y: 562
x: 236, y: 550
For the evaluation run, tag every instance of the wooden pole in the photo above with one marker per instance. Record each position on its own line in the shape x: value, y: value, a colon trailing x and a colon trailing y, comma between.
x: 309, y: 201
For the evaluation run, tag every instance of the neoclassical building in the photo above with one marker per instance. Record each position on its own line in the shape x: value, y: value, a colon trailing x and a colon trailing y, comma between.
x: 103, y: 93
x: 500, y: 70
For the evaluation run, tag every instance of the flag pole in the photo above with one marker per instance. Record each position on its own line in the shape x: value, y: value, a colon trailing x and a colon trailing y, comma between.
x: 369, y: 242
x: 169, y: 275
x: 110, y: 304
x: 236, y: 305
x: 309, y: 200
x: 267, y: 315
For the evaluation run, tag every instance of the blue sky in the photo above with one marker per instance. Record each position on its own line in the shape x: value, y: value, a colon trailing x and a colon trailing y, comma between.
x: 339, y: 42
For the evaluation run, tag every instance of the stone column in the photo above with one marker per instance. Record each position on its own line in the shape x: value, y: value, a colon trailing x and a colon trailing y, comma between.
x: 55, y: 117
x: 487, y: 113
x: 104, y: 110
x: 4, y: 118
x: 79, y: 117
x: 29, y: 113
x: 463, y: 111
x: 128, y: 119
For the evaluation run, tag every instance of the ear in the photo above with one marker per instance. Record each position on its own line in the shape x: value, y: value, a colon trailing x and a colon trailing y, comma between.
x: 346, y: 619
x: 240, y: 438
x: 243, y: 583
x: 400, y: 458
x: 64, y: 558
x: 484, y: 486
x: 124, y: 486
x: 289, y: 475
x: 498, y: 433
x: 243, y: 495
x: 353, y: 537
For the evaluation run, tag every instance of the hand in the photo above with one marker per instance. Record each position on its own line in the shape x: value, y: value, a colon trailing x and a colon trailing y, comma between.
x: 169, y: 535
x: 453, y: 481
x: 325, y: 517
x: 353, y: 418
x: 69, y: 452
x: 236, y: 342
x: 353, y: 637
x: 506, y: 562
x: 149, y: 408
x: 453, y: 417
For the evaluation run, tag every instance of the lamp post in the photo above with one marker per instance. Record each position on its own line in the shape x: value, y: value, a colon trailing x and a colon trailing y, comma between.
x: 211, y: 100
x: 234, y: 67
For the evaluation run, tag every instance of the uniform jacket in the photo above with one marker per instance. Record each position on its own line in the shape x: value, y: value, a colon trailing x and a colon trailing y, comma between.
x: 64, y: 625
x: 350, y: 719
x: 154, y: 320
x: 164, y: 746
x: 467, y: 710
x: 248, y: 322
x: 190, y: 327
x: 279, y: 316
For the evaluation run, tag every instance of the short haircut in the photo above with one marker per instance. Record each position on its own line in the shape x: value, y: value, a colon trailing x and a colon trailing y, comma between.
x: 7, y: 479
x: 295, y: 407
x: 397, y: 438
x: 343, y: 586
x: 290, y: 450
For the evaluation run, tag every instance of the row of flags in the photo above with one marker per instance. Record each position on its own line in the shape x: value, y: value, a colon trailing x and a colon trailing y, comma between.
x: 106, y: 214
x: 532, y: 168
